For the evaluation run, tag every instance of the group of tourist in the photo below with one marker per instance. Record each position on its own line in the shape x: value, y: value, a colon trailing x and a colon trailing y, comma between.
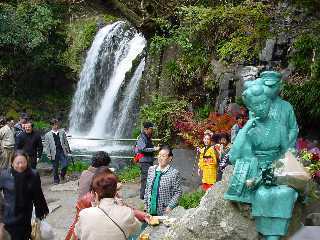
x: 21, y: 149
x: 20, y: 136
x: 214, y: 157
x: 102, y: 212
x: 99, y: 201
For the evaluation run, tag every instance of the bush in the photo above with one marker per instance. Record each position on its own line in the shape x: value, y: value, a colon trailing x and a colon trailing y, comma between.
x: 191, y: 200
x: 305, y: 57
x: 162, y: 111
x: 129, y: 174
x: 28, y: 37
x: 41, y: 125
x: 203, y: 112
x: 304, y: 99
x: 80, y: 37
x: 191, y: 130
x: 78, y: 166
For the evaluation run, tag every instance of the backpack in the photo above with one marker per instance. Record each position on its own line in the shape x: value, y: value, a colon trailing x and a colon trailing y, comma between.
x: 137, y: 154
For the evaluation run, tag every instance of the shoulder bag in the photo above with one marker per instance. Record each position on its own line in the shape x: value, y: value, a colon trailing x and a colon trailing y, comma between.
x: 124, y: 234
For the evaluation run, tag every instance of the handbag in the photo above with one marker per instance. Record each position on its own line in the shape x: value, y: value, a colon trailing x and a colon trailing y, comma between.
x: 124, y: 234
x: 36, y: 231
x: 41, y: 230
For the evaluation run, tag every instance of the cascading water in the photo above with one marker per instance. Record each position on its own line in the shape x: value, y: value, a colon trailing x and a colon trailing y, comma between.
x: 127, y: 54
x: 127, y: 104
x: 102, y: 98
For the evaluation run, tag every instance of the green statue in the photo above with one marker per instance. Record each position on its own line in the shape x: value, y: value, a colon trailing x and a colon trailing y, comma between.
x: 261, y: 142
x: 280, y: 110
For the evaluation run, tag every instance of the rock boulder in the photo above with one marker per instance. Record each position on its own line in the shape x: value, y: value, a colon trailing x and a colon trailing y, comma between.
x: 214, y: 219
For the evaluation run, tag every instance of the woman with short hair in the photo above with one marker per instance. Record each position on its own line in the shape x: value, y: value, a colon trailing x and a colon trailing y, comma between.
x: 108, y: 220
x: 21, y: 188
x: 163, y: 188
x: 99, y: 159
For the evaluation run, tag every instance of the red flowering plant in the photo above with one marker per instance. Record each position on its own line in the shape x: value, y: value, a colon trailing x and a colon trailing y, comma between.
x: 309, y: 155
x: 191, y: 131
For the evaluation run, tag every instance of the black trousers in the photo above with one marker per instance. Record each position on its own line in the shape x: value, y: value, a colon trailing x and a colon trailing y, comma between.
x: 144, y: 167
x: 19, y: 232
x: 33, y: 162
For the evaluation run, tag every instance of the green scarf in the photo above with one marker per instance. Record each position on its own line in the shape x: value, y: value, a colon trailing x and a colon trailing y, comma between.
x: 154, y: 195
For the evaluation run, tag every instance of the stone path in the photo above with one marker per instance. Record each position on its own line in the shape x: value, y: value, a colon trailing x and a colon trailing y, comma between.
x: 62, y: 198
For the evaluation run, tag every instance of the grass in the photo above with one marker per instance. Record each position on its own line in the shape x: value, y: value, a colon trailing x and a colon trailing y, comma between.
x: 129, y: 174
x: 78, y: 166
x: 191, y: 200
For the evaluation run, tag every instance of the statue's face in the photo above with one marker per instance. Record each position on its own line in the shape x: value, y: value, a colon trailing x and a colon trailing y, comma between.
x: 260, y: 106
x: 273, y: 90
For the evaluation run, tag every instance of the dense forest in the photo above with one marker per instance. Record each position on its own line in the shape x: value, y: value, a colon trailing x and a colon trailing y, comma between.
x: 43, y: 45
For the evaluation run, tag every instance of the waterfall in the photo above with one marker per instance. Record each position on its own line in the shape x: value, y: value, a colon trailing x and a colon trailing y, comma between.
x: 130, y: 94
x: 99, y: 103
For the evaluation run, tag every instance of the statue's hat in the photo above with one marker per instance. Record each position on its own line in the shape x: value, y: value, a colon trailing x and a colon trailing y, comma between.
x: 270, y: 77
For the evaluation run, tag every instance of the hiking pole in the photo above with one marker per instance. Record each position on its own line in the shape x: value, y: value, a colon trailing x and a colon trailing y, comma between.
x: 195, y: 163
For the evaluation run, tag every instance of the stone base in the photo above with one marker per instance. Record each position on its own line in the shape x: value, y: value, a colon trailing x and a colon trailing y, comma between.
x: 215, y: 219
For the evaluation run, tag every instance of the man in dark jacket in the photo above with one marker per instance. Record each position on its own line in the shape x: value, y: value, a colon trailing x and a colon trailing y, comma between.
x: 145, y: 147
x: 18, y: 128
x: 30, y: 141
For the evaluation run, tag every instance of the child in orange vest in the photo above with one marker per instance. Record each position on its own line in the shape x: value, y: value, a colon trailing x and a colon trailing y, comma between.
x: 207, y: 163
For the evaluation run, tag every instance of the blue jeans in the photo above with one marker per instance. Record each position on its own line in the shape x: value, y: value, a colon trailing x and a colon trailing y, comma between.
x: 59, y: 158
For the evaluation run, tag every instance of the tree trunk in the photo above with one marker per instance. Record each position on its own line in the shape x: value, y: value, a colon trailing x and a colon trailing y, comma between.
x: 145, y: 25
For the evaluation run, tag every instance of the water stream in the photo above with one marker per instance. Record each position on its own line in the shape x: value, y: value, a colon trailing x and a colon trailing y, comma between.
x: 105, y: 104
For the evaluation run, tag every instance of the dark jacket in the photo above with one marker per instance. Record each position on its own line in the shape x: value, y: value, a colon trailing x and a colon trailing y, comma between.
x: 18, y: 129
x: 31, y: 143
x: 145, y: 146
x: 33, y: 195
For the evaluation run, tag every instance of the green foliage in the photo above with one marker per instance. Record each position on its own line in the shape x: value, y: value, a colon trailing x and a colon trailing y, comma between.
x: 78, y: 166
x: 234, y: 32
x: 136, y: 132
x: 310, y: 4
x: 203, y: 112
x: 80, y: 36
x: 306, y: 56
x: 129, y: 174
x: 41, y: 125
x: 162, y: 112
x: 191, y: 200
x: 305, y: 99
x: 12, y: 114
x: 40, y: 107
x: 239, y: 101
x: 187, y: 70
x: 28, y: 37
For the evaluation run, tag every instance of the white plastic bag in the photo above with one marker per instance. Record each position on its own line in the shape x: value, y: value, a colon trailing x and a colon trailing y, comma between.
x: 41, y: 230
x: 289, y: 171
x: 46, y: 231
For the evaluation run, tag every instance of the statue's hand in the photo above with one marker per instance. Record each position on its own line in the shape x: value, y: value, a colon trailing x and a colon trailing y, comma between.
x: 251, y: 123
x: 250, y: 183
x: 268, y: 177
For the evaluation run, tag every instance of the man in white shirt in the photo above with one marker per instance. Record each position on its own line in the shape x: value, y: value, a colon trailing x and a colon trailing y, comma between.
x: 7, y: 143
